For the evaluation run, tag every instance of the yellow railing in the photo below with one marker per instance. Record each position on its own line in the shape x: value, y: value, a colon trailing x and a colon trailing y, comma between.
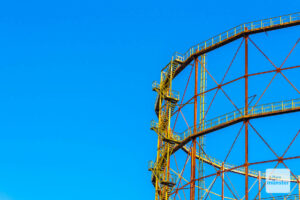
x: 251, y: 26
x: 252, y: 111
x: 218, y: 163
x: 171, y: 94
x: 150, y: 164
x: 285, y: 197
x: 153, y: 125
x: 171, y: 179
x: 155, y: 85
x: 229, y: 117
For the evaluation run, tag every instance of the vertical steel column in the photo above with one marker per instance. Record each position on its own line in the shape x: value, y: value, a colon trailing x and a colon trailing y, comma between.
x: 223, y: 180
x: 156, y: 170
x: 259, y: 185
x: 247, y: 120
x: 193, y: 154
x: 159, y: 142
x: 299, y: 187
x: 201, y: 183
x: 168, y: 131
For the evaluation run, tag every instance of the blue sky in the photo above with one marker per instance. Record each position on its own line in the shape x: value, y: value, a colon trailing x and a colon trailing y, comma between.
x: 75, y: 89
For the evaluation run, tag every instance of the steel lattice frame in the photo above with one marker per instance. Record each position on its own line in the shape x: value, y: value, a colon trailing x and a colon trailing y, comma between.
x: 168, y: 106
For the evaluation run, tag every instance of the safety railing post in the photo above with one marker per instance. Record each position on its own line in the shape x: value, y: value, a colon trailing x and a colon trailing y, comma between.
x: 271, y: 22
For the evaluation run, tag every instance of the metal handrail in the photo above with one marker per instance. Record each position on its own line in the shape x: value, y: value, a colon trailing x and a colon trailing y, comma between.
x: 171, y: 178
x: 155, y: 85
x: 254, y: 110
x: 241, y: 170
x: 153, y: 124
x: 173, y: 94
x: 250, y: 26
x: 151, y: 164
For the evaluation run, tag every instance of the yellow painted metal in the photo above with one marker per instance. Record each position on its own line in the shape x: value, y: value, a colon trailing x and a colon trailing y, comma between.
x: 238, y: 31
x: 166, y: 101
x: 251, y: 26
x: 156, y: 171
x: 204, y: 189
x: 299, y: 187
x: 227, y: 118
x: 218, y: 164
x: 203, y: 82
x: 165, y: 148
x: 254, y: 111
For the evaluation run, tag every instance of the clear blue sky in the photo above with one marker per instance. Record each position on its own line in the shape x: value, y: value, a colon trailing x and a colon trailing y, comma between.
x: 75, y: 89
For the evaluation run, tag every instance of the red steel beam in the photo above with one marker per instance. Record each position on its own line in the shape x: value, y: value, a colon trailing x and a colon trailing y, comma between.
x: 249, y: 32
x: 193, y: 154
x: 240, y: 166
x: 247, y: 120
x: 201, y: 133
x: 232, y: 81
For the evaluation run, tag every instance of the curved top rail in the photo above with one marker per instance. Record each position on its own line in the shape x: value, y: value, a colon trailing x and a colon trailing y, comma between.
x: 235, y: 117
x: 228, y: 166
x: 228, y: 118
x: 263, y: 110
x: 234, y: 34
